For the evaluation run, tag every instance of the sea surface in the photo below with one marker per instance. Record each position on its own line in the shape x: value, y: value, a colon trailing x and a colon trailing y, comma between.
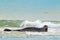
x: 22, y: 36
x: 32, y: 38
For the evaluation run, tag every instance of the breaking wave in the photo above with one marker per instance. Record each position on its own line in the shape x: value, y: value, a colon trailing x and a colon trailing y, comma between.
x: 38, y: 23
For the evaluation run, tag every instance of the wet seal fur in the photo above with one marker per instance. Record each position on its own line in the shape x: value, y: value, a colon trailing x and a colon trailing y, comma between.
x: 33, y: 29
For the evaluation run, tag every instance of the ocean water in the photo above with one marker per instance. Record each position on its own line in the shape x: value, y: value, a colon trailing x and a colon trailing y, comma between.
x: 22, y: 36
x: 32, y: 38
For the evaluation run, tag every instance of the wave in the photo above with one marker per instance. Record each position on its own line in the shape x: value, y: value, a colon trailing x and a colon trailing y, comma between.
x: 38, y: 23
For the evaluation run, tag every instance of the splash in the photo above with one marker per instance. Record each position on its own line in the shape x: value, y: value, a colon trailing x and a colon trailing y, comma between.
x: 27, y: 23
x: 38, y: 23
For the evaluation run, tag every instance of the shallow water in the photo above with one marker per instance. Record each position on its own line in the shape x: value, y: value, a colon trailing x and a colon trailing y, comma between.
x: 32, y: 38
x: 22, y: 36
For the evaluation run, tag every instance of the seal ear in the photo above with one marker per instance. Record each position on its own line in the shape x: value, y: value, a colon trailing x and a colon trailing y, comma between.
x: 7, y: 30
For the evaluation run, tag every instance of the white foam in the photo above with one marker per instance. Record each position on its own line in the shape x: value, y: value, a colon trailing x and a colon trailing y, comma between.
x: 38, y: 24
x: 51, y: 31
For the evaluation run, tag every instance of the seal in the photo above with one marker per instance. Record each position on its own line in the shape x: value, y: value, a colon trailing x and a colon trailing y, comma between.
x: 33, y: 29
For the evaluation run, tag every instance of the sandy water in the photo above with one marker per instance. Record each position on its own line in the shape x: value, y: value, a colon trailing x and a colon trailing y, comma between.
x: 14, y: 35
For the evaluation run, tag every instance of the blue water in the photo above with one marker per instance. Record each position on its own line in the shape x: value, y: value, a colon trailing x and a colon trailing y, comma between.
x: 31, y: 38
